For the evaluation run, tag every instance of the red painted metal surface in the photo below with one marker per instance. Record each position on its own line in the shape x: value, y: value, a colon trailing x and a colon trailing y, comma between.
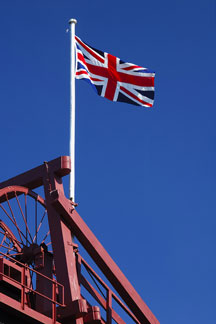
x: 102, y: 259
x: 16, y: 274
x: 64, y: 261
x: 33, y: 178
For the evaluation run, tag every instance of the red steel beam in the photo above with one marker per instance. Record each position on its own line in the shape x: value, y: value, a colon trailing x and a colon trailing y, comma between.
x: 14, y: 307
x: 34, y: 178
x: 103, y: 259
x: 64, y: 255
x: 100, y: 299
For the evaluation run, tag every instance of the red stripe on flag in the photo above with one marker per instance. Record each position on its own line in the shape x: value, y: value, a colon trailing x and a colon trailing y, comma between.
x: 135, y: 97
x: 136, y: 80
x: 131, y: 67
x: 81, y: 58
x: 112, y: 79
x: 111, y: 72
x: 85, y: 72
x: 88, y: 49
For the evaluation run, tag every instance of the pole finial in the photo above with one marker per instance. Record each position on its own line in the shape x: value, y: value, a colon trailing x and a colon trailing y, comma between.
x: 72, y: 21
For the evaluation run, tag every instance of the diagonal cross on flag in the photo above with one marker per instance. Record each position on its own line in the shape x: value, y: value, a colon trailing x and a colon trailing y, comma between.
x: 113, y: 78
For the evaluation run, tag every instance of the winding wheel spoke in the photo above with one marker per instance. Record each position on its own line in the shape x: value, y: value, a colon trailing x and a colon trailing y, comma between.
x: 24, y: 226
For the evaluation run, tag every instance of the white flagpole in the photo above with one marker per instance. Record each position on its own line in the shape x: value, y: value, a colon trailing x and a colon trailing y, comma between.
x: 72, y: 23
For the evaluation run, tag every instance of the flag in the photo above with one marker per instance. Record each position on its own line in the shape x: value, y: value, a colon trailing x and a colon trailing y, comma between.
x: 112, y: 78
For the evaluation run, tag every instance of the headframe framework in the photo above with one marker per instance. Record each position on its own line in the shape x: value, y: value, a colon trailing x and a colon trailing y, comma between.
x: 60, y: 301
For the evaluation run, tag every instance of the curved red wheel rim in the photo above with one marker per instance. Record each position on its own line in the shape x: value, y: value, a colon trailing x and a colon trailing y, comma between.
x: 23, y: 220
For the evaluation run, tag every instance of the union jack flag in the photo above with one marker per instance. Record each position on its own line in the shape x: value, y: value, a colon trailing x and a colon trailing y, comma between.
x: 112, y: 78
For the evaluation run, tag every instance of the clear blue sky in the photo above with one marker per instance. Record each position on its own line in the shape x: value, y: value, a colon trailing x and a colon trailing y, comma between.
x: 146, y: 178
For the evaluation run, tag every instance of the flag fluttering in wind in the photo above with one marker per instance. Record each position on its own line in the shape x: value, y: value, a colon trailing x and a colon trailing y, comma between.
x: 112, y: 78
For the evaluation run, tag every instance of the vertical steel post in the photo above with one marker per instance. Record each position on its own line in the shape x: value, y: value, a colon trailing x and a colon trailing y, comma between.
x: 109, y: 307
x: 23, y: 288
x: 54, y: 302
x: 62, y: 243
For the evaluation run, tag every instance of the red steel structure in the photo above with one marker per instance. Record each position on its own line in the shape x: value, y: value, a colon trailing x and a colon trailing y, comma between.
x: 43, y: 282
